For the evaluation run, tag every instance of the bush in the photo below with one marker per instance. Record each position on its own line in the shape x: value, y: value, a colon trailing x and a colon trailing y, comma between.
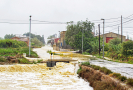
x: 122, y: 78
x: 39, y: 61
x: 24, y: 61
x: 106, y: 47
x: 127, y: 48
x: 80, y: 69
x: 11, y: 43
x: 116, y: 75
x: 26, y: 50
x: 105, y: 70
x: 86, y: 63
x: 130, y: 81
x: 2, y: 59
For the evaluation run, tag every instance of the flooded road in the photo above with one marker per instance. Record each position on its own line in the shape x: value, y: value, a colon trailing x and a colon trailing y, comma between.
x: 122, y: 68
x: 38, y: 76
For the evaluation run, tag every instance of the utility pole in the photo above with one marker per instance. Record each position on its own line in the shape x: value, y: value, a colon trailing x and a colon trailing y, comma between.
x: 60, y: 40
x: 99, y: 38
x: 118, y: 31
x: 82, y: 41
x: 94, y: 30
x: 29, y: 36
x: 121, y: 28
x: 103, y: 37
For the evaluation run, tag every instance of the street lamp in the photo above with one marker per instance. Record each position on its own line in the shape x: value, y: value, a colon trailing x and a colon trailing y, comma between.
x: 103, y: 36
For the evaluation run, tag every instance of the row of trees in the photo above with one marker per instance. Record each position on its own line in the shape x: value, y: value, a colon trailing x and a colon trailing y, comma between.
x: 36, y: 40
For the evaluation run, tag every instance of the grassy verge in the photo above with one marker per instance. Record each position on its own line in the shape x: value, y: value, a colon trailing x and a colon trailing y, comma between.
x: 130, y: 61
x: 95, y: 81
x: 15, y: 51
x: 93, y: 78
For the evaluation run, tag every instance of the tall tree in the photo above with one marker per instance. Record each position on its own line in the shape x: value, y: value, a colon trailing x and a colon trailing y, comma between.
x: 73, y: 35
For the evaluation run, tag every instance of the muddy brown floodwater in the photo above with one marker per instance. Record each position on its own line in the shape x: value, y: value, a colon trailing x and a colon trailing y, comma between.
x: 39, y: 77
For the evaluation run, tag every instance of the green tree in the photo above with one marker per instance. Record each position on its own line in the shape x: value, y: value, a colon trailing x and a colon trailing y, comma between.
x: 73, y: 35
x: 36, y: 43
x: 115, y: 45
x: 95, y: 44
x: 115, y: 41
x: 127, y: 48
x: 37, y: 36
x: 8, y: 36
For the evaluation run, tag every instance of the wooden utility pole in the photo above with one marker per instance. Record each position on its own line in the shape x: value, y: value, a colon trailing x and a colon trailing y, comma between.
x: 99, y: 38
x: 121, y: 28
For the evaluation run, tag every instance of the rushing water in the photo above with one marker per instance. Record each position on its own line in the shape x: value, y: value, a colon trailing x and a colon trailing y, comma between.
x: 122, y: 68
x: 39, y: 77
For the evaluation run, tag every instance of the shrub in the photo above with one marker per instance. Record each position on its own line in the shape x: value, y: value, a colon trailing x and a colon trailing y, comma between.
x: 79, y: 70
x: 130, y: 81
x: 14, y: 43
x: 106, y: 47
x: 105, y: 70
x: 24, y: 61
x: 127, y: 48
x: 95, y: 67
x: 39, y: 61
x: 86, y: 63
x: 26, y: 50
x: 2, y: 59
x: 116, y: 75
x: 122, y: 78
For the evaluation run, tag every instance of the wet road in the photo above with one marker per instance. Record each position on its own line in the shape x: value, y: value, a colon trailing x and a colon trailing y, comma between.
x: 122, y: 68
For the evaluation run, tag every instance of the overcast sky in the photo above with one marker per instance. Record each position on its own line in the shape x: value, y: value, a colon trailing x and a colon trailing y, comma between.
x: 18, y: 11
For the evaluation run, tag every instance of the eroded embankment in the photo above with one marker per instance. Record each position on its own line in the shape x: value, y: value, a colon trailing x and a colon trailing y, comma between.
x: 100, y: 81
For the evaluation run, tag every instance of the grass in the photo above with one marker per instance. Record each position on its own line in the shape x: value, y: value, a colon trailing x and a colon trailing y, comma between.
x: 122, y: 78
x: 79, y: 70
x: 130, y: 81
x: 95, y: 81
x: 2, y: 59
x: 116, y: 75
x: 95, y: 67
x: 85, y: 63
x: 39, y: 61
x: 25, y: 61
x: 15, y: 51
x: 106, y: 71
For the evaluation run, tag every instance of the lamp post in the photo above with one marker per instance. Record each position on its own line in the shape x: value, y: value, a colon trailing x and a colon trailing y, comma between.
x: 103, y: 36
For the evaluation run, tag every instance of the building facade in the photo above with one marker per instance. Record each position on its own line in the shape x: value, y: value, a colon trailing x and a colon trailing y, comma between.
x: 111, y: 35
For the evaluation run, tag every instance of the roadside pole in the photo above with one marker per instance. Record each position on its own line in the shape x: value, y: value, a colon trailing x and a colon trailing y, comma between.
x: 82, y: 41
x: 29, y: 36
x: 103, y: 37
x: 99, y: 38
x: 121, y: 28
